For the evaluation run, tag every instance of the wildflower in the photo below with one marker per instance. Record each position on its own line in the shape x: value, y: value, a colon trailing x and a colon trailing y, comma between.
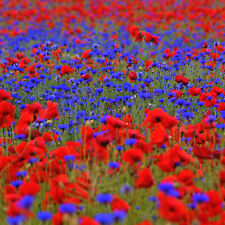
x: 16, y: 220
x: 126, y: 188
x: 44, y: 216
x: 105, y: 218
x: 200, y: 198
x: 144, y: 179
x: 88, y: 221
x: 69, y: 208
x: 26, y: 202
x: 104, y: 198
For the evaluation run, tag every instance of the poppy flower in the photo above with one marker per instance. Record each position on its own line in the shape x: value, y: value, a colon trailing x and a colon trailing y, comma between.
x: 139, y: 36
x: 144, y: 179
x: 159, y: 136
x: 194, y: 91
x: 172, y: 209
x: 213, y: 207
x: 66, y: 70
x: 133, y: 30
x: 86, y: 76
x: 29, y: 188
x: 148, y: 63
x: 7, y: 114
x: 119, y: 204
x: 49, y: 136
x: 151, y: 38
x: 57, y: 218
x: 179, y: 78
x: 5, y: 95
x: 145, y: 222
x: 86, y: 54
x: 85, y: 220
x: 50, y: 112
x: 132, y: 156
x: 132, y: 76
x: 158, y: 115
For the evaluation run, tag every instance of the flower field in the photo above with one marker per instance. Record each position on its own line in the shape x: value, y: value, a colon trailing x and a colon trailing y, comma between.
x: 112, y: 112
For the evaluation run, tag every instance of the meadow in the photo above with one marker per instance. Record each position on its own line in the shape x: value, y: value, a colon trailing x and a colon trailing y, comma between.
x: 112, y: 112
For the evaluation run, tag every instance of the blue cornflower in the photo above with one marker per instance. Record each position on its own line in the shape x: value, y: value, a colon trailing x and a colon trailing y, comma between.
x: 33, y: 160
x: 119, y: 148
x: 173, y: 193
x: 165, y: 187
x: 16, y: 183
x: 104, y: 198
x: 130, y: 141
x: 126, y: 188
x: 69, y: 157
x: 200, y: 198
x: 63, y: 126
x: 44, y: 215
x: 69, y: 208
x: 222, y: 114
x: 16, y: 220
x: 192, y: 205
x: 114, y: 165
x: 168, y: 189
x: 21, y: 173
x: 119, y: 215
x: 153, y: 199
x: 105, y: 218
x: 26, y: 202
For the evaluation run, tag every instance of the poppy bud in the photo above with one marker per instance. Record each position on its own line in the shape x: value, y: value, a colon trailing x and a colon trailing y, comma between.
x: 124, y: 109
x: 88, y: 123
x: 49, y: 121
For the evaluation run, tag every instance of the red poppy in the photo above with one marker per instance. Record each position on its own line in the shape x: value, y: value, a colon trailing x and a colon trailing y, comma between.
x: 50, y: 112
x: 86, y: 54
x: 5, y: 95
x: 139, y: 36
x: 159, y: 136
x: 145, y: 222
x: 133, y: 30
x: 194, y: 91
x: 148, y: 63
x: 34, y: 108
x: 132, y: 156
x: 178, y: 93
x: 217, y: 90
x: 57, y: 218
x: 49, y: 136
x: 213, y: 207
x: 119, y: 204
x: 114, y: 122
x: 66, y: 69
x: 156, y: 116
x: 144, y: 179
x: 85, y: 220
x: 185, y: 81
x: 186, y: 177
x: 151, y: 38
x: 132, y: 76
x: 86, y: 76
x: 222, y: 178
x: 7, y: 114
x: 179, y: 78
x: 172, y: 209
x: 29, y: 188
